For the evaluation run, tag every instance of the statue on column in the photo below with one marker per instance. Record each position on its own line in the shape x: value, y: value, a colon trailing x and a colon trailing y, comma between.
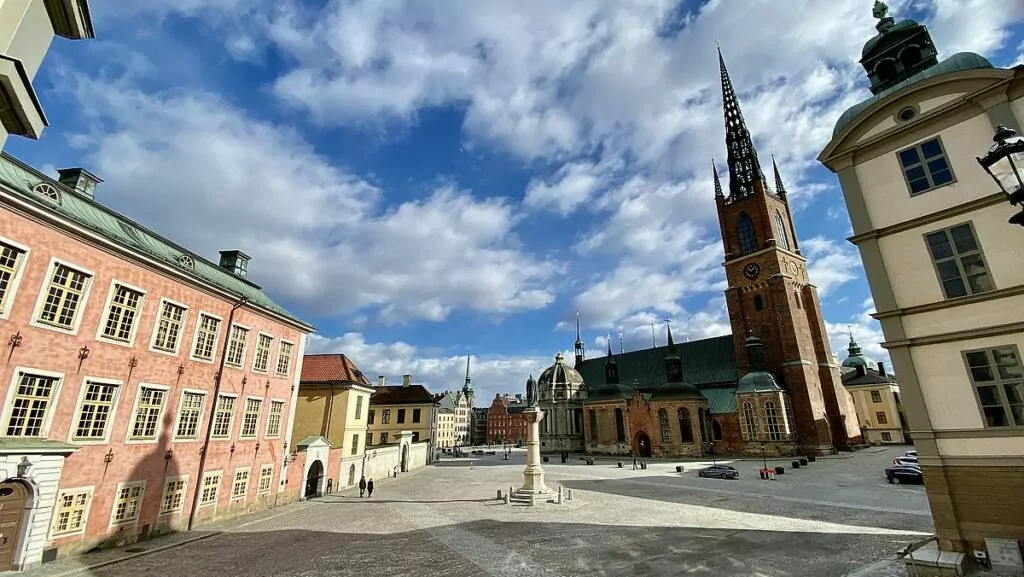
x: 531, y: 392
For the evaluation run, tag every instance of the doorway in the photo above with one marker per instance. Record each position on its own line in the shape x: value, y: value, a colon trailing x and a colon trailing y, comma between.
x: 351, y: 474
x: 405, y: 458
x: 13, y: 502
x: 313, y: 479
x: 643, y: 445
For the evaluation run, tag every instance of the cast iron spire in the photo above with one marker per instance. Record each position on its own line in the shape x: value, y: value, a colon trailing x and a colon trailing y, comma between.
x: 469, y: 380
x: 780, y: 188
x: 744, y: 167
x: 718, y: 181
x: 580, y: 352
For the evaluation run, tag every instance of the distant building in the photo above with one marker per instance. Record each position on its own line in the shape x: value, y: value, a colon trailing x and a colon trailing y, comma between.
x: 406, y: 407
x: 478, y: 426
x: 505, y: 423
x: 876, y: 395
x: 445, y: 421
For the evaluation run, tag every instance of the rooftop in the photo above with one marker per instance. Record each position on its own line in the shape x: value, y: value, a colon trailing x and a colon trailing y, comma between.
x: 401, y: 395
x: 331, y: 368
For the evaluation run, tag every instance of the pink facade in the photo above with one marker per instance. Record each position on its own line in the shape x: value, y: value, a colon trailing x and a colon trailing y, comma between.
x: 116, y: 382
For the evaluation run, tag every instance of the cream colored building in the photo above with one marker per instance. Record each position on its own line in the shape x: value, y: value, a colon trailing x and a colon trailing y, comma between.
x: 445, y: 423
x: 944, y: 268
x: 27, y: 28
x: 876, y: 397
x: 395, y: 409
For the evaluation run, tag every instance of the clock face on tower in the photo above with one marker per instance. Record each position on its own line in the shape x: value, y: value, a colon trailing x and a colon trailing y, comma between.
x: 752, y: 270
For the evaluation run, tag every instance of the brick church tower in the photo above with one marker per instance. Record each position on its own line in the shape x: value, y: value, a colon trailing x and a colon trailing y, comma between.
x: 770, y: 296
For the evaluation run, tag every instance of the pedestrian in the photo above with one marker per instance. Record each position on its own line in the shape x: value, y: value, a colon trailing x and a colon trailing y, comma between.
x: 369, y: 488
x: 362, y: 485
x: 634, y: 463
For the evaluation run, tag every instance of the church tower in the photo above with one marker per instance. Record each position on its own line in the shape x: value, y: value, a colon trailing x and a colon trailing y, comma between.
x: 769, y: 294
x: 581, y: 353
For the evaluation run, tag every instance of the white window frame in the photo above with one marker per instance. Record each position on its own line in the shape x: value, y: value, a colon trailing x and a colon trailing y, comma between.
x: 245, y: 345
x: 50, y: 409
x: 138, y: 512
x: 135, y: 407
x: 114, y: 283
x: 231, y: 422
x: 256, y: 352
x: 220, y: 483
x: 266, y: 426
x: 111, y: 419
x: 270, y: 486
x: 7, y: 304
x: 248, y: 480
x: 291, y: 360
x: 44, y: 289
x: 195, y: 337
x: 163, y: 495
x: 177, y: 415
x: 156, y: 327
x: 91, y: 491
x: 259, y: 416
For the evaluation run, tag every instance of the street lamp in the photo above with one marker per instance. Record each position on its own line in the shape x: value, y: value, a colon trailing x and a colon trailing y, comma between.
x: 1004, y: 162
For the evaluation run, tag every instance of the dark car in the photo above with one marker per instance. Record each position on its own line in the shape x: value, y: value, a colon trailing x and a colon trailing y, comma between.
x: 719, y: 471
x: 904, y: 474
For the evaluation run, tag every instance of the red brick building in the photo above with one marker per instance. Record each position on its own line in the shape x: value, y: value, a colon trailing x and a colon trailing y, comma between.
x: 505, y: 423
x: 145, y: 389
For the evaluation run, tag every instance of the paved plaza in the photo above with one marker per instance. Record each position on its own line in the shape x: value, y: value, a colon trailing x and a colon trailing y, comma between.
x: 836, y: 517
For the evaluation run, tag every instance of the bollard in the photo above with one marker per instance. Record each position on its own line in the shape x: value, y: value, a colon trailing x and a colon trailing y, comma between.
x: 508, y: 499
x: 679, y: 468
x: 811, y: 459
x: 510, y: 490
x: 620, y: 464
x: 795, y: 464
x: 780, y: 470
x: 803, y: 462
x: 570, y: 494
x: 533, y: 499
x: 499, y: 494
x: 559, y: 501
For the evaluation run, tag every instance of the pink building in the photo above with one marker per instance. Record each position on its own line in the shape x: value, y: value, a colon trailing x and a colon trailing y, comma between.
x: 144, y: 389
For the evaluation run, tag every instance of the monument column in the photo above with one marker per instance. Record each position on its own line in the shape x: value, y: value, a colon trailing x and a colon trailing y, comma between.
x: 533, y: 475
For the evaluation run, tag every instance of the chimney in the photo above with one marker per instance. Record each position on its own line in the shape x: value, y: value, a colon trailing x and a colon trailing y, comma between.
x: 406, y: 380
x: 881, y: 368
x: 380, y: 380
x: 80, y: 180
x: 234, y: 261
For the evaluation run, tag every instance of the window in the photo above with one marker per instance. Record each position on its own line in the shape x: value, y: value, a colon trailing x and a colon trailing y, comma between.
x: 63, y: 298
x: 620, y: 426
x: 758, y: 303
x: 369, y: 417
x: 146, y: 422
x: 593, y: 425
x: 261, y: 359
x: 702, y: 421
x: 745, y: 232
x: 781, y: 238
x: 416, y: 415
x: 206, y: 337
x: 94, y: 411
x: 71, y: 512
x: 385, y: 416
x: 168, y: 327
x: 881, y: 418
x: 906, y: 114
x: 415, y: 436
x: 749, y: 422
x: 959, y: 261
x: 46, y: 189
x: 30, y: 405
x: 127, y: 502
x: 266, y: 479
x: 189, y: 413
x: 999, y: 385
x: 236, y: 345
x: 876, y: 397
x: 122, y: 312
x: 250, y: 418
x: 173, y: 500
x: 401, y: 415
x: 359, y: 408
x: 11, y: 259
x: 225, y: 412
x: 355, y: 444
x: 666, y: 432
x: 211, y: 487
x: 383, y: 438
x: 796, y: 297
x: 771, y: 419
x: 274, y: 419
x: 925, y: 166
x: 685, y: 426
x: 284, y: 358
x: 716, y: 430
x: 240, y: 485
x: 886, y: 436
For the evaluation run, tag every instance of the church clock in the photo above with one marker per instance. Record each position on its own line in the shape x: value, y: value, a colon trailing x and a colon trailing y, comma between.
x: 752, y: 270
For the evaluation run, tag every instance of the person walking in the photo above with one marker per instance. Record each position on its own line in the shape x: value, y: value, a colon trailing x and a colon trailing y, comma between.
x: 369, y: 488
x: 362, y: 485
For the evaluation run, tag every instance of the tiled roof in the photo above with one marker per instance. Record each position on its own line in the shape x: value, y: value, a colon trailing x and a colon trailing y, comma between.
x: 22, y: 179
x: 445, y: 402
x: 870, y: 377
x: 331, y: 368
x: 399, y: 395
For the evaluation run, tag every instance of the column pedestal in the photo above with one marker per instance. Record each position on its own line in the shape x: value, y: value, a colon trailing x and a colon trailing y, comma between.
x: 533, y: 474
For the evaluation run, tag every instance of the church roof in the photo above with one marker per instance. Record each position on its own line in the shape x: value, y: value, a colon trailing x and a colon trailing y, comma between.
x: 562, y: 374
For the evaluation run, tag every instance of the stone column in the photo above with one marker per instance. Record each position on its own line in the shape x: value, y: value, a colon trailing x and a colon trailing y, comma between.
x: 533, y: 474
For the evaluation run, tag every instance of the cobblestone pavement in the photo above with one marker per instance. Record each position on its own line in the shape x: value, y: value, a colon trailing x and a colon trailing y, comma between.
x: 837, y: 517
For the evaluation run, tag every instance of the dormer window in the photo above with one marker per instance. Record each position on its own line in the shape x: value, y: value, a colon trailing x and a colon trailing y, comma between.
x: 187, y: 262
x: 48, y: 190
x: 235, y: 261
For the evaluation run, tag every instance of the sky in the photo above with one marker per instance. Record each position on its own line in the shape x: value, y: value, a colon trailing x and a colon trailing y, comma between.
x: 422, y: 179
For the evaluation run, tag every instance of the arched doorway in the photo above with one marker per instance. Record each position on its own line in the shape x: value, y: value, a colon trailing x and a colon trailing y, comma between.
x: 351, y: 474
x: 405, y: 458
x: 14, y: 500
x: 314, y: 477
x: 642, y: 445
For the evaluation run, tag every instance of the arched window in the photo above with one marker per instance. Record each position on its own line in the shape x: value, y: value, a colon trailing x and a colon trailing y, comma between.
x: 351, y: 474
x: 702, y: 420
x: 716, y: 430
x: 758, y: 303
x: 593, y: 425
x: 782, y: 239
x: 685, y: 428
x: 620, y: 426
x: 666, y: 433
x: 749, y: 422
x: 771, y: 419
x: 796, y: 297
x: 745, y: 231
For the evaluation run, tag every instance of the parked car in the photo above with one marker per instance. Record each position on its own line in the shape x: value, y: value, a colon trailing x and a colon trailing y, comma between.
x: 719, y: 471
x: 910, y: 454
x: 904, y: 474
x: 905, y: 460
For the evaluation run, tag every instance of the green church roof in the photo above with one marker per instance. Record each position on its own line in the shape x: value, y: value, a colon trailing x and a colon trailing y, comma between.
x: 22, y: 179
x: 758, y: 382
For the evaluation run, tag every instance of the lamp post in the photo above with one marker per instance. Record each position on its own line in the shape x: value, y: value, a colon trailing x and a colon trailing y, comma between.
x: 764, y: 457
x: 1004, y: 162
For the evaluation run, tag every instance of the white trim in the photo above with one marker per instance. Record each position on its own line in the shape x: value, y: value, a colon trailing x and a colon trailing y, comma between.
x: 220, y: 485
x: 50, y: 409
x: 12, y: 289
x: 184, y: 496
x: 138, y: 511
x: 284, y: 405
x: 259, y: 417
x: 177, y: 416
x: 195, y: 337
x: 289, y: 427
x: 156, y: 327
x: 105, y: 315
x: 245, y: 346
x: 44, y: 289
x: 270, y: 487
x: 135, y: 407
x: 231, y: 422
x: 91, y: 490
x: 291, y: 361
x: 256, y: 351
x: 111, y: 418
x: 248, y: 481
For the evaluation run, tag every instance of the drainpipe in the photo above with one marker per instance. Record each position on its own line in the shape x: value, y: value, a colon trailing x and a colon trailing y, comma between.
x: 330, y: 415
x: 197, y: 493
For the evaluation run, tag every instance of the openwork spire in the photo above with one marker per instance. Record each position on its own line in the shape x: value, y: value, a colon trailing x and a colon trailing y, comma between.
x: 469, y: 380
x: 718, y: 181
x: 744, y: 167
x: 780, y: 188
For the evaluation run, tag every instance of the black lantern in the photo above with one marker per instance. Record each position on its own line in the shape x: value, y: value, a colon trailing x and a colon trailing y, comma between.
x: 1005, y: 164
x: 23, y: 467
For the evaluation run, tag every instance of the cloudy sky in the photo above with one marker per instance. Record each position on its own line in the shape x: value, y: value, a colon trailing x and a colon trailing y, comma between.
x: 420, y: 178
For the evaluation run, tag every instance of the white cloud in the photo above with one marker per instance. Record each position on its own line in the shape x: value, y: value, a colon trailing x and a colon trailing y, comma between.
x: 865, y: 330
x: 832, y: 262
x: 973, y: 25
x: 571, y: 186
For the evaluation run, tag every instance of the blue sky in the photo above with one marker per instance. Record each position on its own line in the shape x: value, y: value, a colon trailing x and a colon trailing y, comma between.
x: 421, y: 178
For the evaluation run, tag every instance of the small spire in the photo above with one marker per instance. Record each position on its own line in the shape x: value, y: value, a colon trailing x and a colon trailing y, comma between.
x: 718, y: 181
x: 609, y: 343
x: 579, y: 340
x: 469, y: 380
x: 744, y: 167
x: 780, y: 188
x: 622, y: 346
x: 654, y: 334
x: 671, y: 343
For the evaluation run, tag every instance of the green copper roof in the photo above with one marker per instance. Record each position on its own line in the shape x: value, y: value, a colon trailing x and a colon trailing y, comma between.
x: 304, y: 443
x: 758, y: 382
x: 955, y: 63
x: 22, y: 179
x: 604, y: 392
x: 19, y: 445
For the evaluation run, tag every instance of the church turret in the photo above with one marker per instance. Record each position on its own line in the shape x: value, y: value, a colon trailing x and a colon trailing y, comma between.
x: 899, y: 50
x: 745, y: 175
x: 673, y: 364
x: 581, y: 353
x: 611, y: 368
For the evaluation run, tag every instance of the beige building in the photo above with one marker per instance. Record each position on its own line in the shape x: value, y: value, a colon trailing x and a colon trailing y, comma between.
x: 395, y: 409
x: 445, y: 419
x: 333, y: 403
x: 944, y: 267
x: 876, y: 397
x: 27, y: 28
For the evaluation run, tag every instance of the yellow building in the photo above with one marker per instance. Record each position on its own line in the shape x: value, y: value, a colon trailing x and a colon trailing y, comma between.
x: 876, y: 396
x: 445, y: 424
x: 394, y: 409
x: 334, y: 403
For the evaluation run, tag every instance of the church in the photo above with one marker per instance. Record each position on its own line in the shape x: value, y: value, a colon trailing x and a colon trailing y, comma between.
x: 771, y: 387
